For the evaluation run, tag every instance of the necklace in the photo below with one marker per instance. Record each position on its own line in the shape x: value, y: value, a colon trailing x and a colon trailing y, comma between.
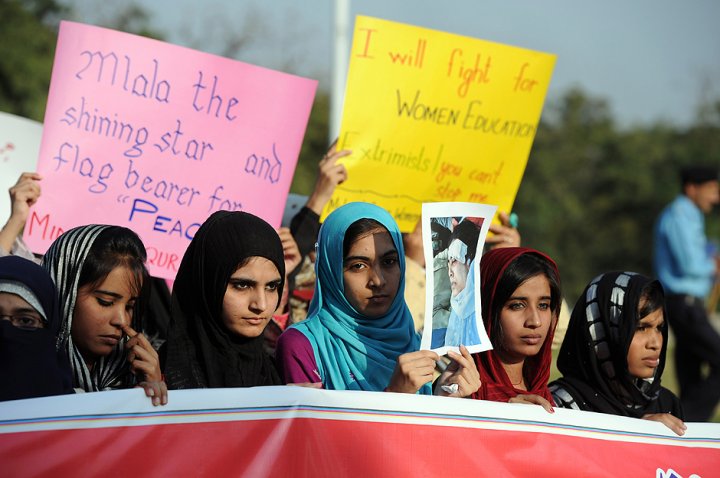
x: 509, y: 375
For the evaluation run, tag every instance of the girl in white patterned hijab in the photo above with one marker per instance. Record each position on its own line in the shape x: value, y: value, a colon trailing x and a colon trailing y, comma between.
x: 102, y: 281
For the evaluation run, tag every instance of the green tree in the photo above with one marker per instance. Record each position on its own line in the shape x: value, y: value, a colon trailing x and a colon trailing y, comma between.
x: 127, y: 17
x: 592, y: 192
x: 26, y: 55
x: 552, y: 202
x: 314, y: 146
x: 29, y: 34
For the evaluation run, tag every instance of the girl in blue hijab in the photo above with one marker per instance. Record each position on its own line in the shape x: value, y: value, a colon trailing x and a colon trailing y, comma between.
x: 359, y: 334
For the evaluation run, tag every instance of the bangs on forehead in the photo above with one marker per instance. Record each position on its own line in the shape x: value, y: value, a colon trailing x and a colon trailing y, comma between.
x: 372, y: 232
x: 361, y: 229
x: 539, y: 274
x: 134, y: 277
x: 135, y: 282
x: 247, y: 260
x: 242, y: 264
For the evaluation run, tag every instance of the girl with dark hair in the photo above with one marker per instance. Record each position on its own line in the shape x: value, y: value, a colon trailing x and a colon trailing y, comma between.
x: 30, y: 365
x: 102, y: 283
x: 228, y: 286
x: 359, y: 334
x: 461, y: 328
x: 520, y: 305
x: 613, y: 354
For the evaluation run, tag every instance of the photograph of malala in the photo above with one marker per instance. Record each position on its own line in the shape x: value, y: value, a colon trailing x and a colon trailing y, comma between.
x: 453, y: 239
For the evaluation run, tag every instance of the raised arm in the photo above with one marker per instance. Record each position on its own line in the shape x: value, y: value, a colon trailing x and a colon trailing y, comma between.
x: 23, y: 195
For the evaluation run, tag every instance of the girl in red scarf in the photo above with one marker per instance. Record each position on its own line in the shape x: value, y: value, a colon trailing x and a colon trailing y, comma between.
x: 520, y: 305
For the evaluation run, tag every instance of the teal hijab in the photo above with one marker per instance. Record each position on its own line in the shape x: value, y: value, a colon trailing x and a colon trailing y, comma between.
x: 352, y: 351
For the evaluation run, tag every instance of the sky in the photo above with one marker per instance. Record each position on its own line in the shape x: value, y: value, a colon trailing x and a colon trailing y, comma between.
x: 652, y: 60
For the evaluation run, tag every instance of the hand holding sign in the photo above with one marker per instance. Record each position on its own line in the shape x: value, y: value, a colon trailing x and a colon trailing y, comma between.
x: 23, y: 195
x: 330, y: 175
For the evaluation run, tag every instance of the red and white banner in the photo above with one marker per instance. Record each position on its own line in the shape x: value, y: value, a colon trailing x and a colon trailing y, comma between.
x: 293, y: 431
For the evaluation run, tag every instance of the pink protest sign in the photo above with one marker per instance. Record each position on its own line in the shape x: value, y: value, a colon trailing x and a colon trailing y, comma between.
x: 157, y: 137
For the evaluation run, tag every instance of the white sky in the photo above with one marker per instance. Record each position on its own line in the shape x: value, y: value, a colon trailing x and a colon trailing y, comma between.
x: 653, y: 60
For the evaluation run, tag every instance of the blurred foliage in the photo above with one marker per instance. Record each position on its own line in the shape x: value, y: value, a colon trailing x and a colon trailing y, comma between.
x: 590, y: 194
x: 26, y: 54
x: 315, y: 145
x: 131, y: 18
x: 29, y: 34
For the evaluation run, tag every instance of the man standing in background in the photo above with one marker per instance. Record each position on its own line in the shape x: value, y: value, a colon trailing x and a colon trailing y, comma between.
x: 686, y: 267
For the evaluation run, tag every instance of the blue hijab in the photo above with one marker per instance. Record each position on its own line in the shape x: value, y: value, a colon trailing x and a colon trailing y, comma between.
x: 352, y: 351
x: 462, y: 325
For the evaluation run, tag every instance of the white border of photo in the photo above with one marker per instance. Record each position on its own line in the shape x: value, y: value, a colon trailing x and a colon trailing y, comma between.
x: 454, y: 209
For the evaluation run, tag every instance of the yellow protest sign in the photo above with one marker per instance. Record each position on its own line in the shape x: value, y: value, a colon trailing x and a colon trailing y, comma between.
x: 432, y: 116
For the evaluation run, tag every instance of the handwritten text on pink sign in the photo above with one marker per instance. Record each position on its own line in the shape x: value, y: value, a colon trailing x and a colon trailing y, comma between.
x: 156, y: 137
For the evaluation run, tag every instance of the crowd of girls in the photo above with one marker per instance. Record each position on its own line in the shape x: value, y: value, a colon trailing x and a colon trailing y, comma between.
x: 75, y: 323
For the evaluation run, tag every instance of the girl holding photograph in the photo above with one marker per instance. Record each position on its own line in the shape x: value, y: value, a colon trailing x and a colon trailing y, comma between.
x: 520, y: 305
x: 359, y: 334
x: 613, y: 355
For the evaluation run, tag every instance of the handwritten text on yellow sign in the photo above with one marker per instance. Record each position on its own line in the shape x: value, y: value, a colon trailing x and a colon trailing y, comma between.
x: 431, y: 116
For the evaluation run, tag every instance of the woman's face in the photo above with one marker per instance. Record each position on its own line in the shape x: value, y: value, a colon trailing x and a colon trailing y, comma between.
x: 371, y: 274
x: 16, y: 310
x: 525, y: 319
x: 251, y: 297
x: 458, y: 273
x: 101, y: 312
x: 644, y: 351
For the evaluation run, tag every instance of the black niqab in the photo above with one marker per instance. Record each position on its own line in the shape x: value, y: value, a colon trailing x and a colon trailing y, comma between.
x: 30, y: 365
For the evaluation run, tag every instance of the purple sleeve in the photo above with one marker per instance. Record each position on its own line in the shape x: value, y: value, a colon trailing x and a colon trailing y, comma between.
x: 296, y: 358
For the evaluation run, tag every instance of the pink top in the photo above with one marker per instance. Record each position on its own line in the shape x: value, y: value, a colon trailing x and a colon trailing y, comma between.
x: 296, y: 359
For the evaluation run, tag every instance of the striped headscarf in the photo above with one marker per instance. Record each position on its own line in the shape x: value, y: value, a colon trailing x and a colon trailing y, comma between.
x: 593, y: 356
x: 64, y: 261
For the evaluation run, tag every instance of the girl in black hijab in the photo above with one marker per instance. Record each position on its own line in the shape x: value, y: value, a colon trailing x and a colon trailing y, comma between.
x: 228, y: 285
x: 613, y: 354
x: 30, y: 365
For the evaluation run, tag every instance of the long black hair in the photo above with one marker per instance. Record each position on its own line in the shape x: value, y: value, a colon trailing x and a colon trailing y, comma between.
x: 652, y: 298
x: 359, y: 229
x: 521, y: 269
x: 118, y: 246
x: 468, y: 232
